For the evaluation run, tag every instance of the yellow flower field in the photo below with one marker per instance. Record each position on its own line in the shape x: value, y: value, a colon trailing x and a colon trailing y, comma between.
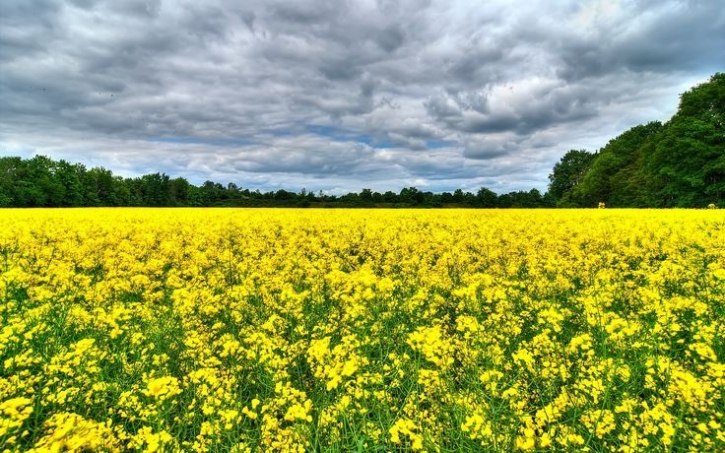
x: 408, y: 330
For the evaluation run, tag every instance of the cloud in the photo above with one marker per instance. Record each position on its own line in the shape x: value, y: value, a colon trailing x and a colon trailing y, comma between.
x: 651, y: 36
x: 336, y: 95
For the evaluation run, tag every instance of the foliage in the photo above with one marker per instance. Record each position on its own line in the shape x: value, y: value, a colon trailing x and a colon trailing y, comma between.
x: 677, y: 164
x: 568, y: 173
x: 602, y: 181
x: 688, y: 162
x: 43, y: 182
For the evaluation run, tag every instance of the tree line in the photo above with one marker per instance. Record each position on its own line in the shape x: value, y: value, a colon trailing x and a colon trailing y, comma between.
x: 680, y: 163
x: 44, y: 182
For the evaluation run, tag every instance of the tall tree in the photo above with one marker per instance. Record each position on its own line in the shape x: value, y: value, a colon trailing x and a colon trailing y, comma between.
x: 179, y: 188
x: 69, y: 176
x: 688, y: 162
x: 156, y: 189
x: 486, y: 198
x: 8, y: 175
x: 568, y: 173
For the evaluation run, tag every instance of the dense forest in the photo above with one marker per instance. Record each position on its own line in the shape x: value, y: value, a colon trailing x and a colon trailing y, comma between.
x: 680, y: 163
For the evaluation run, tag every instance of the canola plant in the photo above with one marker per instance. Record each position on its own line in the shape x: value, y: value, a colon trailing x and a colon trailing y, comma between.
x: 307, y: 330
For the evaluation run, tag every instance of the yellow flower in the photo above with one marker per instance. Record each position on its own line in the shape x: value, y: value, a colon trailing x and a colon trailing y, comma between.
x: 162, y: 388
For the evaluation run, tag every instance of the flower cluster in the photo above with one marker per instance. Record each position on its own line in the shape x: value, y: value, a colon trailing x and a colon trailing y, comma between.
x: 302, y: 330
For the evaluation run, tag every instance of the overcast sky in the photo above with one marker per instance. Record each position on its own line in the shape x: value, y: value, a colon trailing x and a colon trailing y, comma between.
x: 346, y: 94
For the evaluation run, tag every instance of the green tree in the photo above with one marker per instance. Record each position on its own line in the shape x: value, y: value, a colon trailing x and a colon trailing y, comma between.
x: 486, y: 198
x: 366, y: 196
x: 8, y: 170
x: 69, y: 176
x: 568, y: 173
x: 411, y: 196
x: 688, y: 161
x: 179, y: 191
x: 157, y: 190
x: 596, y: 185
x: 34, y: 184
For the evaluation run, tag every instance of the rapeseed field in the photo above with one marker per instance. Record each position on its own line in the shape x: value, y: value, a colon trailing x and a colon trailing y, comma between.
x: 303, y: 330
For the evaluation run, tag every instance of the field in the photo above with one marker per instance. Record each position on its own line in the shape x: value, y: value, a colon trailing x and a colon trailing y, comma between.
x: 372, y: 330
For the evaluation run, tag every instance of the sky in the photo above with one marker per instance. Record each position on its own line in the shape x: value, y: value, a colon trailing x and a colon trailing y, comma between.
x: 346, y: 94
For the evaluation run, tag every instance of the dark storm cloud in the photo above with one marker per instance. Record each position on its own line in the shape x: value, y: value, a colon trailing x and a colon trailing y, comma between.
x: 525, y: 109
x: 684, y: 36
x: 391, y: 38
x: 343, y: 95
x: 21, y: 37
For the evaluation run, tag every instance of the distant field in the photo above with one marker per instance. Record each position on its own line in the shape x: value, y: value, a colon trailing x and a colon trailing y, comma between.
x: 362, y: 330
